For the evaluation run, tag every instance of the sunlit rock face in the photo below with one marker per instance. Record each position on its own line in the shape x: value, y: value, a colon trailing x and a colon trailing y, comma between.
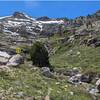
x: 22, y: 24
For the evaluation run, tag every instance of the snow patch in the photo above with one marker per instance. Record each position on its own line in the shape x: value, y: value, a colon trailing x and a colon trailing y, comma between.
x: 50, y: 22
x: 4, y: 17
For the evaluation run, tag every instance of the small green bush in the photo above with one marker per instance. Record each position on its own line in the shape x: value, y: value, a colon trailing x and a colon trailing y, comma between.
x: 39, y: 55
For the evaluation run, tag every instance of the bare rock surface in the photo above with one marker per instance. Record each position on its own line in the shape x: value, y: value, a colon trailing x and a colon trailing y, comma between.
x: 15, y: 60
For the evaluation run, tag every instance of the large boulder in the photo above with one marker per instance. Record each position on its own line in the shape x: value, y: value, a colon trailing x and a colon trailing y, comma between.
x: 4, y: 57
x: 98, y: 82
x: 4, y: 54
x: 93, y: 91
x: 88, y: 77
x: 98, y: 85
x: 75, y: 79
x: 15, y: 60
x: 46, y: 72
x: 3, y: 61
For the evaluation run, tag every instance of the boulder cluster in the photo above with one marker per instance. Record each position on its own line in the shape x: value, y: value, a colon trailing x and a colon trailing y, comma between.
x: 76, y: 77
x: 90, y: 80
x: 10, y: 60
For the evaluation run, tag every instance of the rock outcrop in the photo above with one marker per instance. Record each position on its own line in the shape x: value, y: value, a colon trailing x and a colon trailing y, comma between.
x: 19, y: 23
x: 15, y: 60
x: 46, y: 72
x: 4, y: 57
x: 98, y: 85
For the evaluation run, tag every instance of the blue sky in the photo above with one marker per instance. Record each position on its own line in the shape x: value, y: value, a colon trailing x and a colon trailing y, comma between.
x: 53, y: 9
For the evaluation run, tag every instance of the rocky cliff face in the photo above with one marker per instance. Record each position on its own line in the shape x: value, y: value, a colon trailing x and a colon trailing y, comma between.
x: 22, y: 24
x: 15, y: 29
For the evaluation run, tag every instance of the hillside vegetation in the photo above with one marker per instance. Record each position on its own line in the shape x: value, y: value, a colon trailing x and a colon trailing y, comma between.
x: 24, y: 82
x: 71, y: 48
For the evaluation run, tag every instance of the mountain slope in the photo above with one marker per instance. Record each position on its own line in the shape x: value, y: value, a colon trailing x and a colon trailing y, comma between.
x: 20, y: 23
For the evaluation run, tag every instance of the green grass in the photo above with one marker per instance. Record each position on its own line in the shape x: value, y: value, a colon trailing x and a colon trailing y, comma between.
x: 76, y: 55
x: 30, y: 82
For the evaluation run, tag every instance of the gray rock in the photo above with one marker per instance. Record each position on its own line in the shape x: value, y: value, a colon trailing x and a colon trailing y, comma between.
x: 88, y: 77
x: 98, y: 85
x: 97, y: 82
x: 20, y: 94
x: 45, y: 69
x: 4, y: 56
x: 75, y: 79
x: 93, y: 91
x: 15, y: 60
x: 46, y: 72
x: 3, y: 60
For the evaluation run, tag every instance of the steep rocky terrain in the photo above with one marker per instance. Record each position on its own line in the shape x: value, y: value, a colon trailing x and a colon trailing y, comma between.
x: 22, y: 24
x: 74, y: 51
